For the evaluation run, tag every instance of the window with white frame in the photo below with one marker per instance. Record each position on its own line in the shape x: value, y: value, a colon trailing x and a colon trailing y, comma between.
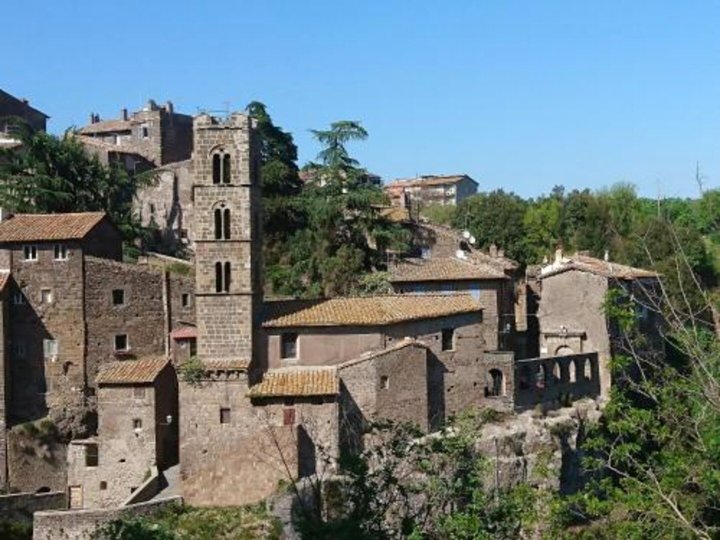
x: 30, y: 253
x: 61, y: 253
x: 46, y: 296
x: 50, y: 348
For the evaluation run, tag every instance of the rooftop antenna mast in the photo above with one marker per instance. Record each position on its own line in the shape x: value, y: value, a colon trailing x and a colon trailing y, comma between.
x: 699, y: 178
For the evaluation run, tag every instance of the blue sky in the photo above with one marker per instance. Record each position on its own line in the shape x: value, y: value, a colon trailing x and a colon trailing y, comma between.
x: 520, y: 95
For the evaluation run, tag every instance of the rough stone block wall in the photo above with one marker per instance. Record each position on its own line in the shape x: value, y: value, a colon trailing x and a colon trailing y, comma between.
x: 34, y: 463
x: 142, y: 316
x: 178, y: 286
x: 21, y: 506
x: 5, y: 383
x: 104, y: 241
x: 81, y: 524
x: 403, y: 397
x: 224, y: 326
x: 41, y: 384
x: 125, y: 454
x: 234, y: 463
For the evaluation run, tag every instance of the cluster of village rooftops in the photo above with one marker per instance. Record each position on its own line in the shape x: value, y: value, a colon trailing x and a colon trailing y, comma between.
x: 200, y: 374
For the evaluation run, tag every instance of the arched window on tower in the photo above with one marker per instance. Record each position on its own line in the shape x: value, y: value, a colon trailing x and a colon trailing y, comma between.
x: 226, y: 224
x: 216, y: 168
x: 222, y: 223
x: 227, y: 277
x: 218, y: 224
x: 226, y: 169
x: 218, y: 277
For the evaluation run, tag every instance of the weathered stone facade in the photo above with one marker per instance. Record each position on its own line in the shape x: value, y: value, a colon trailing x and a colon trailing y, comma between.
x: 137, y: 430
x: 227, y: 237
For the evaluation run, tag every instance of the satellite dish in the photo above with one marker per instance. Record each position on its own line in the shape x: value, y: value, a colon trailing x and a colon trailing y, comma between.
x: 466, y: 234
x: 472, y: 240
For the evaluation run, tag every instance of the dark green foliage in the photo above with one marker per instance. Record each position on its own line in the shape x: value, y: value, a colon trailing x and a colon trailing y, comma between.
x: 15, y: 530
x: 188, y: 523
x: 421, y: 488
x: 323, y: 236
x: 50, y: 174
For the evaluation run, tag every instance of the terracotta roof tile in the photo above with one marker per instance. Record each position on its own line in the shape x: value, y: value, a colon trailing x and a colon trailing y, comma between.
x: 429, y: 180
x: 143, y: 371
x: 407, y: 342
x: 223, y: 364
x: 600, y: 267
x: 366, y: 311
x: 45, y: 227
x: 107, y: 126
x: 442, y: 269
x: 184, y: 332
x: 298, y: 381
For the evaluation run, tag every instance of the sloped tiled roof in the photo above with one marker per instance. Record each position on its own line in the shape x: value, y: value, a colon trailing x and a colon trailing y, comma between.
x: 143, y: 371
x: 596, y: 266
x: 184, y: 332
x: 298, y: 381
x: 226, y: 364
x: 407, y: 342
x: 45, y: 227
x: 429, y: 180
x: 107, y: 126
x: 442, y: 269
x: 366, y: 311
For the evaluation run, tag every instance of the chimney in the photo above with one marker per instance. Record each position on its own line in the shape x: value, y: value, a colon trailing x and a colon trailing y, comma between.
x: 493, y: 251
x: 25, y: 101
x: 92, y: 118
x: 558, y: 255
x: 169, y: 107
x: 123, y: 114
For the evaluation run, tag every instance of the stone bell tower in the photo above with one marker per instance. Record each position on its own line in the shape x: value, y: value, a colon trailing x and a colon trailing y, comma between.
x: 227, y: 228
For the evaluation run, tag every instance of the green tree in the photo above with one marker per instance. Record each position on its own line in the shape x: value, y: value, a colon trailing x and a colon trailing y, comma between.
x: 49, y: 174
x: 497, y: 218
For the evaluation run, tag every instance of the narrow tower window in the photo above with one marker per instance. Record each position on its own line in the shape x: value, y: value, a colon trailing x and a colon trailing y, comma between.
x: 226, y: 169
x: 218, y: 224
x: 227, y: 277
x: 216, y: 168
x: 218, y: 277
x: 226, y: 224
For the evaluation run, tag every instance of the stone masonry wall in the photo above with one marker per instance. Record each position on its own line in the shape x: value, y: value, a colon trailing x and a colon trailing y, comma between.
x: 46, y: 304
x: 141, y: 317
x: 238, y: 462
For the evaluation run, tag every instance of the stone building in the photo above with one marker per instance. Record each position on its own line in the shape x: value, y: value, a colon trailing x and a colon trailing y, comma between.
x: 145, y: 139
x: 137, y: 404
x: 571, y: 315
x: 73, y: 306
x: 425, y: 190
x: 13, y: 109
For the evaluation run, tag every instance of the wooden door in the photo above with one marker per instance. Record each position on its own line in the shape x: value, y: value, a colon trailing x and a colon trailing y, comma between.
x: 76, y: 496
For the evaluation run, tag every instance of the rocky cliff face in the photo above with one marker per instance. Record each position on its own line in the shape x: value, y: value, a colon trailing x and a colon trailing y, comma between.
x: 538, y: 448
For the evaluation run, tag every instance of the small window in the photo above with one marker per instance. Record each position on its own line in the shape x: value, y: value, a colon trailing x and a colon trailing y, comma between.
x: 224, y: 416
x: 19, y: 299
x: 118, y: 297
x: 288, y: 417
x: 139, y: 392
x: 152, y: 209
x: 183, y: 234
x: 46, y: 296
x: 145, y: 131
x: 121, y: 342
x: 91, y: 455
x: 385, y: 382
x: 137, y: 424
x: 288, y: 345
x: 30, y: 253
x: 226, y: 169
x: 186, y: 300
x: 50, y: 348
x: 103, y: 485
x: 193, y: 347
x: 61, y: 253
x: 448, y: 339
